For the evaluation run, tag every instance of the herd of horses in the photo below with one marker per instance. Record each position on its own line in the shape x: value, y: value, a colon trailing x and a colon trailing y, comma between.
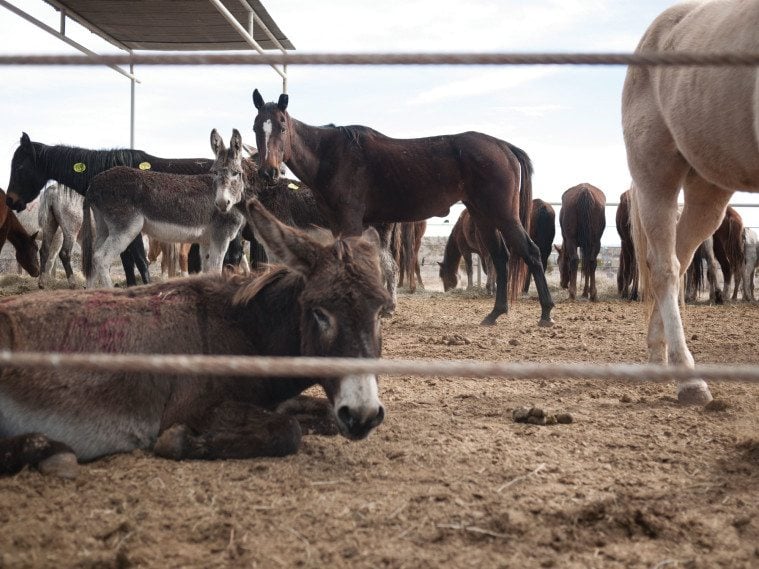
x: 325, y: 295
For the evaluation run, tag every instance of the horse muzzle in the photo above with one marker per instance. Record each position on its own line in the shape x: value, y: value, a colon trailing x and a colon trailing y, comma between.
x: 14, y: 203
x: 270, y: 174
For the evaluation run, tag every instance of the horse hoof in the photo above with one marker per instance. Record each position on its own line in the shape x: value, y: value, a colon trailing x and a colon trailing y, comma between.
x: 172, y: 442
x: 63, y: 464
x: 546, y: 323
x: 693, y: 392
x: 488, y: 321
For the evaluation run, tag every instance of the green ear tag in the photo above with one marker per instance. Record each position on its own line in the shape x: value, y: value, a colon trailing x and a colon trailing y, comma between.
x: 80, y: 167
x: 292, y: 186
x: 144, y: 166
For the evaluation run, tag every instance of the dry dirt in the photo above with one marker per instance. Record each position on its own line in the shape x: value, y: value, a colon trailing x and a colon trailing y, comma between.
x: 449, y: 480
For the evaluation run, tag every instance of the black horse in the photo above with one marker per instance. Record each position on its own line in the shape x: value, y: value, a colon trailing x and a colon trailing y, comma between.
x: 34, y: 163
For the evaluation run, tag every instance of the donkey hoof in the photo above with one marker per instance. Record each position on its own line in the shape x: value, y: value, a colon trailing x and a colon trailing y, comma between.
x: 546, y: 322
x: 171, y: 443
x: 693, y: 392
x: 63, y: 464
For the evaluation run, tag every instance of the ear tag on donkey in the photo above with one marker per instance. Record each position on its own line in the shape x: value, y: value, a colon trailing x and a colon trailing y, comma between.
x: 293, y: 186
x: 80, y: 167
x: 144, y: 166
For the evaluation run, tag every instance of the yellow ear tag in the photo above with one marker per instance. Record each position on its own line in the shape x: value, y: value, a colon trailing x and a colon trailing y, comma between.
x: 292, y: 186
x: 144, y: 166
x: 80, y: 167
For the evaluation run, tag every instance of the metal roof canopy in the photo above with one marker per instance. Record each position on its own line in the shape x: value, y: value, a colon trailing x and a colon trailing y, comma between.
x: 169, y: 25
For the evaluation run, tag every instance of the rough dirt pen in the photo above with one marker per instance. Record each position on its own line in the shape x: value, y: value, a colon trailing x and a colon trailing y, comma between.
x: 449, y: 480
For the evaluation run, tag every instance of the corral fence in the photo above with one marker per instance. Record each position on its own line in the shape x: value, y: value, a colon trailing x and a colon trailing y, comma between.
x: 314, y: 367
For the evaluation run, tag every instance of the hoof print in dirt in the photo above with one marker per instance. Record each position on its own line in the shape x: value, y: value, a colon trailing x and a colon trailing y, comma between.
x: 717, y: 405
x: 537, y: 416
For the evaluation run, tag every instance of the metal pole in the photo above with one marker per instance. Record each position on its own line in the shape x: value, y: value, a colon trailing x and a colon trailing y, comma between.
x: 131, y: 108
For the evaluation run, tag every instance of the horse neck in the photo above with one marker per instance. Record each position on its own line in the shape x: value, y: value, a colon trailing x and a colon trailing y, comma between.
x: 17, y: 235
x: 305, y: 144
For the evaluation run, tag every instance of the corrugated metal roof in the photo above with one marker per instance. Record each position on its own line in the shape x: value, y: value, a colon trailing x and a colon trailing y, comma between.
x: 174, y: 25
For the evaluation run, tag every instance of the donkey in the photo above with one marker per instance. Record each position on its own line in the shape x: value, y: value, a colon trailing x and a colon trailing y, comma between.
x: 325, y: 301
x: 167, y: 207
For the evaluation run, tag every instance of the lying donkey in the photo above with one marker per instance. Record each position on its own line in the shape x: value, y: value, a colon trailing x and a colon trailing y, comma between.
x: 167, y: 207
x: 325, y: 301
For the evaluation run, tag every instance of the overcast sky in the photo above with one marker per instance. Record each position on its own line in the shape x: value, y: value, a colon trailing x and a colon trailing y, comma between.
x: 566, y: 118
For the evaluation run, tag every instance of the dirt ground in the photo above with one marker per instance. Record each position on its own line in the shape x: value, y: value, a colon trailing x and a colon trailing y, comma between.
x: 449, y: 480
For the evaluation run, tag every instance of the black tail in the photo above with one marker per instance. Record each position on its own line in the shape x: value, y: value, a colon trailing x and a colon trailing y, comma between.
x: 517, y: 266
x: 87, y: 240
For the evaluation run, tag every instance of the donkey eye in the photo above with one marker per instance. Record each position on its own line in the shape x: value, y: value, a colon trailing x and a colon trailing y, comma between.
x: 322, y: 319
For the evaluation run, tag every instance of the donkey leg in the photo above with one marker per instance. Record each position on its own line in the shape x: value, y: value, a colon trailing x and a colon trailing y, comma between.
x: 231, y: 430
x: 315, y: 414
x: 35, y: 449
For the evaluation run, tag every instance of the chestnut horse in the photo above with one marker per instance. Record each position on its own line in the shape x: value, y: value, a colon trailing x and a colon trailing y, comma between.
x: 694, y: 128
x: 325, y: 301
x: 542, y: 232
x: 728, y: 249
x: 27, y: 253
x: 583, y: 220
x: 362, y: 176
x: 627, y: 274
x: 464, y: 240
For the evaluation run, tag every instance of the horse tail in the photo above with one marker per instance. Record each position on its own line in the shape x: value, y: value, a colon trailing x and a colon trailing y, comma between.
x: 44, y: 207
x: 87, y: 239
x: 586, y: 234
x: 517, y: 266
x: 695, y: 271
x: 640, y: 248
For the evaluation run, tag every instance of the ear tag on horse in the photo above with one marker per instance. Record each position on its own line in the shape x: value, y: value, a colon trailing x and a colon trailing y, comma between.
x: 144, y: 166
x: 80, y: 167
x: 293, y: 186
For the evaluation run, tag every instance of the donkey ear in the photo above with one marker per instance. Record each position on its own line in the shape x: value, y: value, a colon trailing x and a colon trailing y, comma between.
x: 258, y: 100
x: 293, y: 247
x: 282, y: 103
x: 252, y: 150
x: 371, y: 235
x: 217, y: 143
x: 235, y: 143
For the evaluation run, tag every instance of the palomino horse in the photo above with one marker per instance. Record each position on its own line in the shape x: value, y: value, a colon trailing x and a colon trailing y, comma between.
x: 728, y: 249
x: 325, y: 302
x: 464, y: 240
x: 34, y: 164
x: 27, y: 253
x: 583, y: 220
x: 169, y: 207
x: 691, y: 127
x: 362, y: 176
x: 60, y: 207
x: 627, y: 274
x: 542, y: 232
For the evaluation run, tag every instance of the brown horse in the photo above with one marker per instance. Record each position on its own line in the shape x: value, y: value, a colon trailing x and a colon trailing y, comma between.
x: 464, y: 240
x: 693, y: 128
x: 27, y: 253
x: 325, y: 301
x: 542, y: 232
x: 729, y: 250
x: 362, y: 176
x: 405, y: 245
x: 583, y: 220
x: 627, y: 275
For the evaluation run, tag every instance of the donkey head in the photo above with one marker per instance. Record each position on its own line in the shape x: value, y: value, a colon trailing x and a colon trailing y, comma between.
x: 272, y: 129
x: 340, y: 307
x: 27, y: 177
x: 228, y: 181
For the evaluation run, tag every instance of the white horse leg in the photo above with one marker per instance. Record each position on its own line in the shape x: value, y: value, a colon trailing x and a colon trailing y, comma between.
x: 47, y: 255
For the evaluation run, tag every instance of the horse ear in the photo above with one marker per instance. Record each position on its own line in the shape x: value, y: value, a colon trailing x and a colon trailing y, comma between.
x: 235, y: 143
x: 371, y: 235
x: 258, y: 100
x: 293, y: 247
x: 217, y: 143
x: 25, y: 140
x: 282, y: 103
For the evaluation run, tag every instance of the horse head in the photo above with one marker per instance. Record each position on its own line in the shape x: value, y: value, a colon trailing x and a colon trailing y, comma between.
x: 563, y: 262
x: 272, y: 129
x: 340, y: 306
x: 227, y: 170
x: 450, y: 278
x: 27, y: 179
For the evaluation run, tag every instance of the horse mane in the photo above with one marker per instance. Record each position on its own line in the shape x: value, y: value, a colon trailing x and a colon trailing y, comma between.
x: 356, y: 133
x: 62, y: 157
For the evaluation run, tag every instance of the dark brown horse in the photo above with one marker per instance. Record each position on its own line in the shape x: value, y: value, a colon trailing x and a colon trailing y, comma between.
x: 583, y: 220
x: 325, y: 301
x: 729, y: 250
x: 542, y: 232
x: 405, y: 245
x: 362, y: 176
x: 464, y: 240
x: 34, y: 164
x: 627, y: 275
x: 27, y: 253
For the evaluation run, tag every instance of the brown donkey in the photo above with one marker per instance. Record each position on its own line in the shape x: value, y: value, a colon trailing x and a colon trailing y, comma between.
x: 325, y: 301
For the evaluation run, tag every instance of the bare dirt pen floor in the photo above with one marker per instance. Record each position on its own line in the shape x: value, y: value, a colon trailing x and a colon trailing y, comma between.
x: 449, y: 480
